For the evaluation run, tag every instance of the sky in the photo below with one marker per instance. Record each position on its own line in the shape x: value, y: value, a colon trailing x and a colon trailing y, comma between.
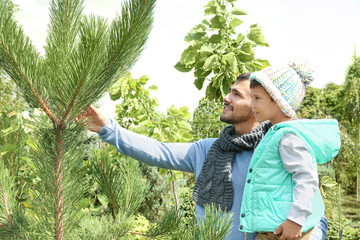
x: 324, y: 32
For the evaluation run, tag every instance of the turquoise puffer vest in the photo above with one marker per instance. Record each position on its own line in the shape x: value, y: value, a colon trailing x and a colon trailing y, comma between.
x: 268, y: 191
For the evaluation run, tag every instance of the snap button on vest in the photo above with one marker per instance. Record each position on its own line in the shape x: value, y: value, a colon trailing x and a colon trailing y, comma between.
x: 250, y: 170
x: 243, y: 215
x: 248, y: 181
x: 241, y: 226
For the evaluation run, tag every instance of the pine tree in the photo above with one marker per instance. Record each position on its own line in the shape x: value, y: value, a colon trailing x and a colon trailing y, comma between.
x: 83, y: 56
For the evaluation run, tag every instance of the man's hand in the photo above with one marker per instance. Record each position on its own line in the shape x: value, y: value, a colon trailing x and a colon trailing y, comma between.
x: 289, y: 230
x: 92, y: 119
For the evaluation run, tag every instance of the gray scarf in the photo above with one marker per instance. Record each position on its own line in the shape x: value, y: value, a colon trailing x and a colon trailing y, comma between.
x: 214, y: 182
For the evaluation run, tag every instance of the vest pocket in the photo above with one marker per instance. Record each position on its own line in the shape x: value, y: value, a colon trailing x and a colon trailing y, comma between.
x: 269, y: 212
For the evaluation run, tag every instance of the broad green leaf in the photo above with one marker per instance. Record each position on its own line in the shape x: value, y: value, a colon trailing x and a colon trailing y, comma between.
x: 240, y: 38
x: 30, y: 142
x: 163, y: 171
x: 248, y: 48
x: 29, y: 162
x: 103, y: 200
x: 256, y: 36
x: 264, y: 63
x: 211, y: 62
x: 328, y: 181
x: 8, y: 130
x: 189, y: 55
x: 215, y: 38
x: 7, y: 147
x: 153, y: 88
x: 210, y: 92
x: 173, y: 111
x: 224, y: 88
x: 218, y: 22
x: 200, y: 73
x: 231, y: 60
x: 199, y: 82
x: 182, y: 67
x: 210, y: 10
x: 196, y: 33
x: 238, y: 11
x: 216, y: 81
x: 235, y: 22
x: 206, y: 22
x: 206, y: 48
x: 143, y: 79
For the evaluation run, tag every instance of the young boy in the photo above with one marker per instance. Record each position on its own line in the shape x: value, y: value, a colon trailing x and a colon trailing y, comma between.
x: 281, y: 199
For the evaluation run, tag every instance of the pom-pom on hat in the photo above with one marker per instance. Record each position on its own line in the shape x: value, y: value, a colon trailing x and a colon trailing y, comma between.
x: 286, y: 84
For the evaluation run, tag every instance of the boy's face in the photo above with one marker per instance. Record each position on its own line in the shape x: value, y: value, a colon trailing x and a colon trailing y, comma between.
x: 263, y: 107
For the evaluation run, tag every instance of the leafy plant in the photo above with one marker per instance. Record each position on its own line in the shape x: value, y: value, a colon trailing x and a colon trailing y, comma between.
x: 206, y: 119
x: 139, y: 113
x: 83, y: 57
x: 217, y: 52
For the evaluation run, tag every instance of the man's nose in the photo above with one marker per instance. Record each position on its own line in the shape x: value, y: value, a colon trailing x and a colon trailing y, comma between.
x: 226, y: 98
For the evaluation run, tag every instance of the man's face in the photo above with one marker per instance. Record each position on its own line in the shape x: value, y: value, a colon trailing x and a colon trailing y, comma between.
x: 237, y: 104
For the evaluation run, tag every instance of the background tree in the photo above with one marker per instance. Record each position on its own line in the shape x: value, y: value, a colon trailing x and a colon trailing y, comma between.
x: 139, y: 112
x: 218, y: 53
x: 206, y: 119
x: 83, y: 57
x: 351, y: 107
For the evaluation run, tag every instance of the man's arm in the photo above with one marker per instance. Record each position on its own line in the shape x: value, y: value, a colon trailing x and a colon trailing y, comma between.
x: 176, y: 156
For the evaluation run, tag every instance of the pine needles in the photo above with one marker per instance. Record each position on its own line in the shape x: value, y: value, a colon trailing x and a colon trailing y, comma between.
x: 83, y: 57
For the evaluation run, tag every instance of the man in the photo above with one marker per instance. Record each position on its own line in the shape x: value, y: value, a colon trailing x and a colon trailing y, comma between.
x: 220, y: 165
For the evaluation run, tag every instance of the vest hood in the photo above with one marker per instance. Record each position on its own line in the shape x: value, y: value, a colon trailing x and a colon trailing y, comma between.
x: 323, y: 136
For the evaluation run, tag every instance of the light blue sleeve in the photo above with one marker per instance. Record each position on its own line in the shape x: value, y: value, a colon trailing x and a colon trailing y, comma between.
x: 175, y: 156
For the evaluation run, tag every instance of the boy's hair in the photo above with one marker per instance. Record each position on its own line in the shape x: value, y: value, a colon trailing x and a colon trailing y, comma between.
x: 254, y: 84
x: 285, y: 84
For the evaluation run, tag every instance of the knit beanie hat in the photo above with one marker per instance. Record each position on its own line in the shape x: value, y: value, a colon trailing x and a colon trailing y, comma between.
x: 286, y: 84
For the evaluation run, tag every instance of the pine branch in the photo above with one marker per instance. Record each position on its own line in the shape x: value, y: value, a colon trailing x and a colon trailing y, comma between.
x: 58, y: 186
x: 9, y: 59
x: 6, y: 206
x: 113, y: 202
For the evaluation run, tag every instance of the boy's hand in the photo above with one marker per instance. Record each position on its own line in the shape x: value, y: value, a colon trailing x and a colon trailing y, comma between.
x: 289, y: 230
x: 93, y: 119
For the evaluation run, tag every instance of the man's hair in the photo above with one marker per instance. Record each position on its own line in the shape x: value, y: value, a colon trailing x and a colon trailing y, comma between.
x: 243, y: 77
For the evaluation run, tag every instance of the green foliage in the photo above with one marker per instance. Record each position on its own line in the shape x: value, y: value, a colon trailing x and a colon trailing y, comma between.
x: 120, y: 181
x: 9, y: 99
x: 217, y: 52
x: 83, y: 57
x: 139, y: 113
x: 321, y: 103
x: 327, y: 103
x: 215, y: 225
x: 339, y: 226
x: 206, y: 119
x: 156, y: 193
x: 103, y: 227
x: 351, y: 95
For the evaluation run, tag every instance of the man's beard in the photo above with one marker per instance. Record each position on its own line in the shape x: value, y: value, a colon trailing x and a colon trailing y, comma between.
x: 235, y: 119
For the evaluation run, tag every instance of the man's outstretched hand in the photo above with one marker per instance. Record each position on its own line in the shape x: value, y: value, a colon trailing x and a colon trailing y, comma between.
x: 92, y: 119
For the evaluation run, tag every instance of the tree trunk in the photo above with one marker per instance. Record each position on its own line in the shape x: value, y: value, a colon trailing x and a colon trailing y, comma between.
x: 59, y: 194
